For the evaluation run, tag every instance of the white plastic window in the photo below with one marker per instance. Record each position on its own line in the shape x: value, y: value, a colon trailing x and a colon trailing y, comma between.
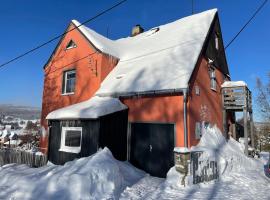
x: 71, y: 139
x: 213, y: 80
x: 216, y: 41
x: 69, y: 82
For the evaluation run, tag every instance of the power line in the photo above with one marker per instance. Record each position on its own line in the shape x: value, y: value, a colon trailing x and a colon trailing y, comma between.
x: 128, y: 60
x: 192, y: 7
x: 253, y: 16
x: 61, y: 35
x: 73, y: 62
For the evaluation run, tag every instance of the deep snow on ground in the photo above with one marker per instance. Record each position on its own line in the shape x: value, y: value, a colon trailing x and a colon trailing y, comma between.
x: 97, y: 177
x: 265, y: 157
x: 102, y: 177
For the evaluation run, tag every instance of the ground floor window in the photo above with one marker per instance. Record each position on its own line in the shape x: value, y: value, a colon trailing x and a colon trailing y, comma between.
x: 71, y: 139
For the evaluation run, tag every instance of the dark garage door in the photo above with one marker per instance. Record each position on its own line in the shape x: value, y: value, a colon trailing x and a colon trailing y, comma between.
x: 152, y: 147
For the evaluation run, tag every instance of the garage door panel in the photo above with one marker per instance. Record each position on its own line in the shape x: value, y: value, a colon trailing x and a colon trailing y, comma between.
x: 152, y: 147
x: 139, y: 143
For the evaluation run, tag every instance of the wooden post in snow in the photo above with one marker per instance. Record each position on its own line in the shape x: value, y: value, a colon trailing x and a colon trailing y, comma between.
x: 225, y: 126
x: 232, y: 129
x: 245, y: 131
x: 224, y: 117
x: 252, y: 130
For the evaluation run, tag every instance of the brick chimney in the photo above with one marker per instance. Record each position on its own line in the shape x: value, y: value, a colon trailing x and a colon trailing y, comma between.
x: 136, y: 30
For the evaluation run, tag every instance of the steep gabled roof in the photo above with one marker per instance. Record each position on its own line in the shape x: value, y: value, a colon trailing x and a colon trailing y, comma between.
x: 154, y: 61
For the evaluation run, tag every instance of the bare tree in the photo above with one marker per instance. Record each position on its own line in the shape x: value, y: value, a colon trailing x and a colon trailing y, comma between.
x: 263, y: 98
x: 263, y: 103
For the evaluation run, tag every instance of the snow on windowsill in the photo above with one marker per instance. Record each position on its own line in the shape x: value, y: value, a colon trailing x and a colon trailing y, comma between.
x: 70, y: 149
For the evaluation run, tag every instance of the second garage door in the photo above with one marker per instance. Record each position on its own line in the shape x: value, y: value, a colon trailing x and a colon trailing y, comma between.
x: 151, y: 147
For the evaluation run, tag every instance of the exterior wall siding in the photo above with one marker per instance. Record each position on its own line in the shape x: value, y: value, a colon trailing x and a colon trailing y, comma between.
x: 113, y: 133
x: 107, y: 131
x: 90, y: 130
x: 207, y: 106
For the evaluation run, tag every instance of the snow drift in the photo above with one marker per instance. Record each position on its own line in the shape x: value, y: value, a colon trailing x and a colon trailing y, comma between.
x: 240, y: 177
x: 229, y: 154
x: 97, y: 177
x: 102, y: 177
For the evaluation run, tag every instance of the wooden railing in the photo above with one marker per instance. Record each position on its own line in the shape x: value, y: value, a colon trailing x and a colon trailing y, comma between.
x: 8, y: 156
x: 236, y: 98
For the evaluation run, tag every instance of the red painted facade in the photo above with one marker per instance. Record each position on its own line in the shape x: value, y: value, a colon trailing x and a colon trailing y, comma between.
x: 91, y: 69
x: 167, y: 109
x: 93, y: 66
x: 207, y: 105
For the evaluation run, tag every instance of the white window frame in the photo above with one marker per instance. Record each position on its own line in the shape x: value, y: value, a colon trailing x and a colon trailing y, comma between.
x: 216, y: 41
x: 69, y: 149
x: 65, y: 82
x: 213, y: 79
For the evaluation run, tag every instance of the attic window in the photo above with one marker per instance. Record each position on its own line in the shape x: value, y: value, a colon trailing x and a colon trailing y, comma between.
x: 71, y: 44
x: 216, y: 41
x: 152, y: 31
x: 213, y: 79
x: 120, y: 76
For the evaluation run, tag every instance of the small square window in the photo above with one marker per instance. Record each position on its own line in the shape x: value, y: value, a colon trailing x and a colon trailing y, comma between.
x: 69, y: 79
x: 71, y: 139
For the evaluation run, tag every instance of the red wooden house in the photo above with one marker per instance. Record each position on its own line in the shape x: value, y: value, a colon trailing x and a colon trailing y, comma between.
x: 142, y: 95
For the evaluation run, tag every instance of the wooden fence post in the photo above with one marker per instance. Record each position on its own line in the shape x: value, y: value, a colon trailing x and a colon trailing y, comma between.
x: 245, y: 131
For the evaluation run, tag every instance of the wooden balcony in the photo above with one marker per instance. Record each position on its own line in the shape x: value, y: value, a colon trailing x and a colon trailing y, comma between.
x: 237, y: 98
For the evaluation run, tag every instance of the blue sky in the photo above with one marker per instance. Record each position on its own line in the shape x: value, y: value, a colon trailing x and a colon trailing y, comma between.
x: 24, y: 24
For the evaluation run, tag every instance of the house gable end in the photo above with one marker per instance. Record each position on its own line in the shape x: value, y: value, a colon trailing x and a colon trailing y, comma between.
x: 204, y: 102
x: 214, y: 48
x: 209, y: 50
x: 70, y: 28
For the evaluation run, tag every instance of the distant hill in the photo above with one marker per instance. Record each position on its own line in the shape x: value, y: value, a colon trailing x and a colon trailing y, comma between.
x: 23, y: 112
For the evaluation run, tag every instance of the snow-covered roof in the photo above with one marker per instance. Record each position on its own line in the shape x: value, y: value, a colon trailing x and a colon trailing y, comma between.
x: 90, y: 109
x: 154, y: 60
x: 5, y: 133
x: 233, y: 84
x: 14, y: 142
x: 13, y: 135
